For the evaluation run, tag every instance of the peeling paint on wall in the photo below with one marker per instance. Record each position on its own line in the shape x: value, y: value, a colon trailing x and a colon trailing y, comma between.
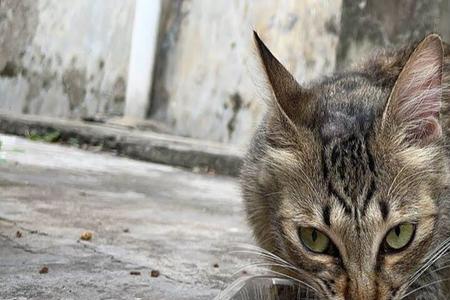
x: 18, y: 24
x: 64, y: 59
x: 74, y: 85
x: 235, y: 104
x: 70, y: 59
x: 207, y: 84
x: 369, y: 24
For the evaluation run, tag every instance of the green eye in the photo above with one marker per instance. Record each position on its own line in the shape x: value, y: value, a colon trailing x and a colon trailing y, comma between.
x: 400, y: 236
x: 314, y: 240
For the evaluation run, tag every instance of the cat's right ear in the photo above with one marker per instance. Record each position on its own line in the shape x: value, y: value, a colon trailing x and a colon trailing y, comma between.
x: 415, y: 101
x: 287, y: 91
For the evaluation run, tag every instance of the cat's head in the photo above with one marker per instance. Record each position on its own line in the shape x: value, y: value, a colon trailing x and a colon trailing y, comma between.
x: 347, y: 178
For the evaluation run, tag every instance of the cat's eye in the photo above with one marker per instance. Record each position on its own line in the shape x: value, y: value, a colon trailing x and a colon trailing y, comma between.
x: 314, y: 240
x: 399, y: 237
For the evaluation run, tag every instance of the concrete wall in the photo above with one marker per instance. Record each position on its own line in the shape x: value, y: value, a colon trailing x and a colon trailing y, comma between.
x: 369, y: 24
x: 70, y: 58
x: 207, y: 84
x: 64, y: 58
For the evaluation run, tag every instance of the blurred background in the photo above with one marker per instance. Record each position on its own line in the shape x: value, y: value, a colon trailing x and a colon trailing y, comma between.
x: 123, y: 125
x: 186, y: 65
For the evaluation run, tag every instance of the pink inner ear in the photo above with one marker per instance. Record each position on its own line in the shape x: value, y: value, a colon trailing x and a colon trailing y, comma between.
x: 430, y: 130
x: 416, y: 100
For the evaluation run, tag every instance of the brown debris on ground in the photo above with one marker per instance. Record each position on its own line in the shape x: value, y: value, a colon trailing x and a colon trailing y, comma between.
x: 154, y: 273
x: 86, y: 236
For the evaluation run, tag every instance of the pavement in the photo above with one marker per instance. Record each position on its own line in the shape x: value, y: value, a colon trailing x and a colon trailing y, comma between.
x: 143, y: 217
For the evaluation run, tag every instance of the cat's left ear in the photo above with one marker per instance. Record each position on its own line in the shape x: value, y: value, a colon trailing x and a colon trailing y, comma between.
x: 415, y: 101
x: 290, y: 97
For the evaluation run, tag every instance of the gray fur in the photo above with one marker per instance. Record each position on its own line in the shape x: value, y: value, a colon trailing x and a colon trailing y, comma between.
x: 335, y: 154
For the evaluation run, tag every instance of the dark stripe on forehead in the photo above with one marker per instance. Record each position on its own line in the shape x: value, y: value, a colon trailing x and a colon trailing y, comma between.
x: 384, y: 208
x: 371, y: 161
x: 349, y: 172
x: 332, y: 191
x: 324, y: 166
x: 334, y: 154
x: 326, y: 215
x: 369, y: 196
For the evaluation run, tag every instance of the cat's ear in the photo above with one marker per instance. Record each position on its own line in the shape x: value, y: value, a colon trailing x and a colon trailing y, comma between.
x: 287, y: 91
x: 415, y: 101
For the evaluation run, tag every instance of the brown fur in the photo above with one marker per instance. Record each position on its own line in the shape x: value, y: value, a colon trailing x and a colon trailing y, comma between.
x: 349, y: 151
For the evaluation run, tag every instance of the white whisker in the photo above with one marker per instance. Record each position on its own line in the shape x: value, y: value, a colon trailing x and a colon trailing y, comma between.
x: 430, y: 260
x: 424, y: 286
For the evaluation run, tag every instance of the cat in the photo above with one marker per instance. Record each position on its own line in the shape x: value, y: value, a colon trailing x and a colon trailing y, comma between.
x: 346, y: 179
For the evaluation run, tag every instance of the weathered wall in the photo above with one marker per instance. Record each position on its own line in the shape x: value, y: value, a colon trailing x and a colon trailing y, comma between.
x: 70, y: 58
x: 206, y: 82
x: 368, y: 24
x: 64, y: 58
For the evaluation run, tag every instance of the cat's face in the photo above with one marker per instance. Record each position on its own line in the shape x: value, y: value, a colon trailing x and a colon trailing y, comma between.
x: 349, y: 186
x: 356, y: 215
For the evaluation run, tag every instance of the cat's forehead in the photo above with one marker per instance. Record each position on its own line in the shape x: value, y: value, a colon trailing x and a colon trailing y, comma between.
x: 348, y: 104
x: 348, y: 87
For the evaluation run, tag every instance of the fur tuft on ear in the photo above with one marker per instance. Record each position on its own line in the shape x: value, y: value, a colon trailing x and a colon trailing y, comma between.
x: 415, y: 101
x: 288, y: 93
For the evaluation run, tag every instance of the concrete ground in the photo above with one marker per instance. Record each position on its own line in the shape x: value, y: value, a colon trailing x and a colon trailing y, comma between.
x: 144, y: 217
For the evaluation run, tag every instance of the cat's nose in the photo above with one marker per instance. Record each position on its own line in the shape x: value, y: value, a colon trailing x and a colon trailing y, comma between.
x: 360, y: 287
x: 358, y: 292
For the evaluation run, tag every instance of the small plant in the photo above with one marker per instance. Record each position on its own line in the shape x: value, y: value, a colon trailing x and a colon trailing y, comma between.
x: 48, y: 137
x: 74, y: 142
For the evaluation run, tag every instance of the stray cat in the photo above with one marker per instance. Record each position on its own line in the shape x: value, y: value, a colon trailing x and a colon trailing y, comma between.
x: 346, y: 180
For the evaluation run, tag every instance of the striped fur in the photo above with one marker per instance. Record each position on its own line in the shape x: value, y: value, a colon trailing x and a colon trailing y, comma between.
x: 353, y: 155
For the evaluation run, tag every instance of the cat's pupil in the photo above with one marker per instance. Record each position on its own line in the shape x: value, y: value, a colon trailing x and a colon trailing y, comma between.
x: 397, y: 230
x: 314, y: 235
